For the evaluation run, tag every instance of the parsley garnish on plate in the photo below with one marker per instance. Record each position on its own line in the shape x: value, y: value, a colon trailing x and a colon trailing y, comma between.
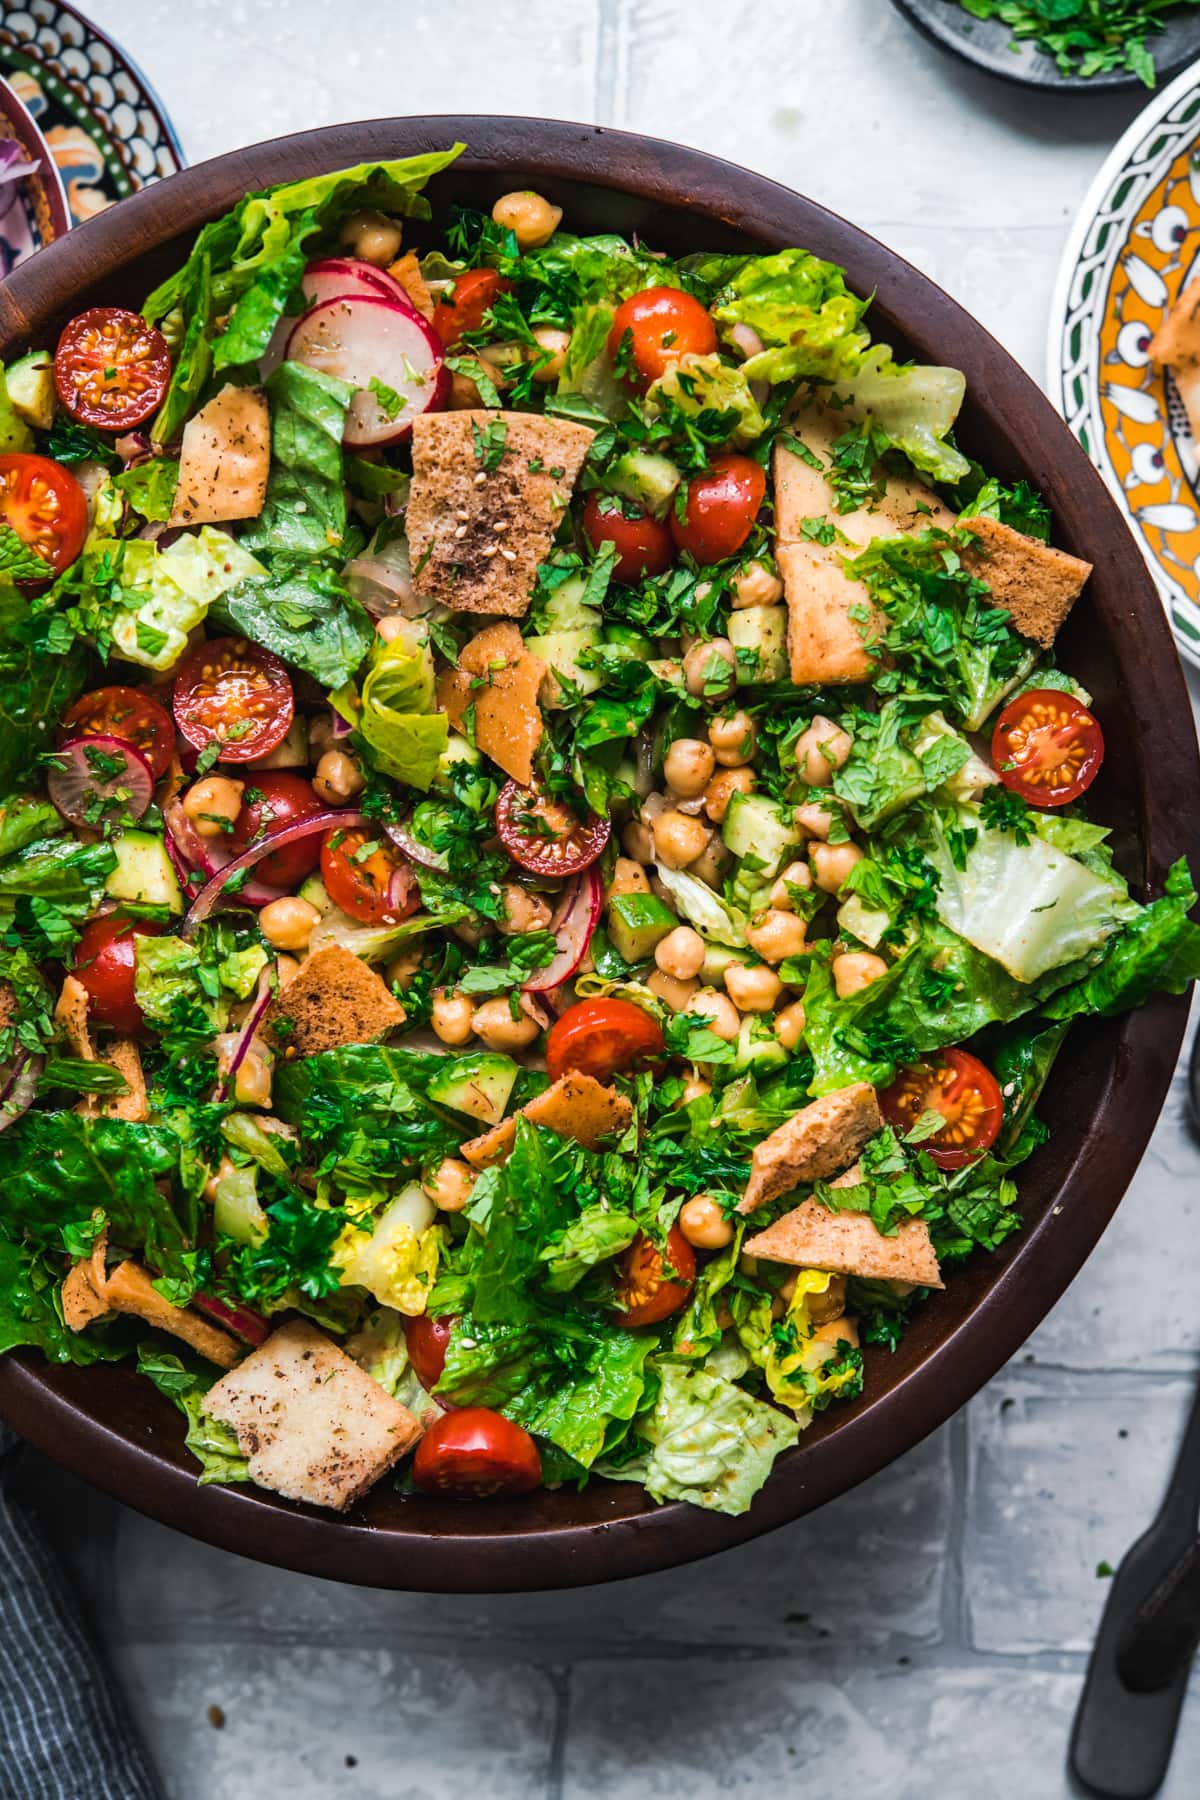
x: 1086, y: 37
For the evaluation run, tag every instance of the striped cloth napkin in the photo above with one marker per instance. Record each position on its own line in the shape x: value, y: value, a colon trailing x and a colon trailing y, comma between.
x: 64, y: 1731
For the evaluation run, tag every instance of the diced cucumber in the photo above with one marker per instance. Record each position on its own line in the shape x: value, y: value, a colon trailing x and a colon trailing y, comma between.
x: 636, y: 923
x: 478, y: 1085
x: 236, y: 1210
x: 718, y: 958
x: 313, y: 890
x: 143, y: 872
x: 758, y: 827
x: 291, y: 752
x: 866, y: 923
x: 461, y: 755
x: 647, y: 479
x: 560, y: 651
x: 634, y: 644
x: 763, y: 631
x: 14, y: 432
x: 565, y: 609
x: 30, y: 384
x: 757, y: 1047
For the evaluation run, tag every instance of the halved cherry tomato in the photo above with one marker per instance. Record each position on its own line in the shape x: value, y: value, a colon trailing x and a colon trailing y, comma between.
x: 544, y: 835
x: 126, y: 713
x: 237, y: 693
x: 720, y: 508
x: 106, y: 964
x: 475, y: 1453
x: 642, y: 543
x: 464, y: 307
x: 46, y: 507
x: 427, y: 1340
x: 111, y: 369
x: 367, y: 877
x: 965, y: 1092
x: 273, y: 799
x: 663, y: 324
x: 646, y: 1291
x: 599, y: 1037
x: 1047, y: 747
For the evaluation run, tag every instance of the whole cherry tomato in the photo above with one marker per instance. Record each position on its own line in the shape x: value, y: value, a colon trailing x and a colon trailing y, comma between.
x: 106, y: 963
x: 475, y: 1453
x: 720, y: 508
x: 653, y: 329
x: 642, y: 543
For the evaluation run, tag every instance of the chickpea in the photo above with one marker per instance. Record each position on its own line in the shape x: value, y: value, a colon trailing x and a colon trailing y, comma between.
x: 286, y: 969
x: 776, y: 935
x: 789, y: 1024
x: 734, y: 739
x: 821, y: 751
x: 796, y: 875
x: 402, y: 968
x: 337, y: 778
x: 252, y: 1083
x: 756, y: 586
x: 856, y: 970
x: 721, y: 789
x: 688, y: 767
x: 555, y: 344
x: 288, y: 923
x: 678, y: 840
x: 372, y: 236
x: 671, y: 990
x: 530, y: 217
x: 494, y: 1023
x: 681, y: 953
x: 213, y: 803
x: 392, y: 626
x: 710, y: 669
x: 834, y: 1332
x: 824, y: 1308
x: 718, y: 1012
x: 695, y: 1088
x: 523, y: 911
x: 628, y: 877
x: 637, y: 842
x: 712, y: 862
x: 449, y: 1187
x: 704, y: 1224
x: 832, y: 863
x: 450, y: 1016
x: 816, y: 820
x: 753, y: 990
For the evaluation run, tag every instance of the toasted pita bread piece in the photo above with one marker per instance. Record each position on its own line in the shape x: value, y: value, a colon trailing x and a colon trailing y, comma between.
x: 314, y: 1425
x: 1036, y: 585
x: 407, y: 271
x: 335, y: 999
x: 813, y: 1145
x: 71, y: 1017
x: 499, y: 678
x: 130, y: 1289
x: 224, y: 459
x: 848, y: 1243
x: 489, y: 490
x: 1176, y: 343
x: 80, y: 1301
x: 575, y: 1106
x: 828, y: 638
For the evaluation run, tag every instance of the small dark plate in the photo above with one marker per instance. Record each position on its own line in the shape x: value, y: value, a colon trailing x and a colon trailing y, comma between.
x: 989, y: 45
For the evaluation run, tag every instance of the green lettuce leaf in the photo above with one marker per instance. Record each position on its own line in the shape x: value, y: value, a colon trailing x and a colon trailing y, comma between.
x: 600, y: 1232
x: 304, y: 615
x: 38, y: 682
x: 213, y: 1444
x: 700, y: 384
x: 305, y: 509
x: 30, y: 1310
x: 404, y: 734
x: 915, y: 404
x: 711, y: 1443
x: 150, y: 487
x: 165, y: 594
x: 809, y: 321
x: 1157, y: 951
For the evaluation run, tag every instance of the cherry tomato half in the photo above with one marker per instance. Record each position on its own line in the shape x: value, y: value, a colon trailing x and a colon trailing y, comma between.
x: 272, y: 800
x: 646, y: 1290
x: 237, y: 693
x: 642, y: 543
x: 46, y: 507
x: 600, y: 1037
x: 427, y: 1340
x: 111, y: 369
x: 720, y: 509
x: 129, y: 714
x: 476, y: 1453
x: 463, y: 309
x: 106, y: 964
x: 1047, y: 747
x: 367, y: 877
x: 544, y: 835
x: 965, y: 1092
x: 653, y: 329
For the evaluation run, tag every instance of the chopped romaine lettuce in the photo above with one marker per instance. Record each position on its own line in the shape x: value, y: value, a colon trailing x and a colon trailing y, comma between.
x: 711, y: 1442
x: 405, y: 735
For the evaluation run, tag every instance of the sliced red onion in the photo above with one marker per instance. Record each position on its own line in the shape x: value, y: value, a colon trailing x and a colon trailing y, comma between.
x: 535, y: 1005
x: 416, y: 851
x: 242, y: 1320
x: 381, y: 586
x: 574, y: 922
x: 341, y: 726
x: 18, y: 1086
x: 209, y: 895
x: 134, y: 447
x: 76, y: 786
x: 14, y: 164
x: 263, y: 996
x: 207, y: 857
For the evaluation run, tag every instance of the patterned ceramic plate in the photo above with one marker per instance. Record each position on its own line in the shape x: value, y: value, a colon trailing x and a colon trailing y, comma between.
x: 1134, y: 246
x: 105, y: 126
x: 33, y: 209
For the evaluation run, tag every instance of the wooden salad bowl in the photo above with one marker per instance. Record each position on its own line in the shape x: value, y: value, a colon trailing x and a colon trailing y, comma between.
x: 109, y: 1425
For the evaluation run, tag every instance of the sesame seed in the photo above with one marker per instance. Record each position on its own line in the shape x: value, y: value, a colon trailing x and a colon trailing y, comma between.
x: 509, y: 555
x: 489, y: 550
x: 460, y: 531
x: 481, y: 478
x: 500, y: 525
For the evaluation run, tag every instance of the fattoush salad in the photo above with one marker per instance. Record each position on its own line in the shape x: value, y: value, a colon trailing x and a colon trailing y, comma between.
x: 543, y: 866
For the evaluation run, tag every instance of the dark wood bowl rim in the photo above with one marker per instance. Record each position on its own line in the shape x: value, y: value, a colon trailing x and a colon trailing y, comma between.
x: 1129, y: 1064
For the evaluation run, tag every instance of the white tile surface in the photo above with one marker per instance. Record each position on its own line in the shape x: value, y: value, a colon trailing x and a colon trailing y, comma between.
x: 925, y: 1635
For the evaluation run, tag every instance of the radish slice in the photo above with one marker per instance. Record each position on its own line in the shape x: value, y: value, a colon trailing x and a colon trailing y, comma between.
x: 573, y: 924
x: 208, y: 896
x: 337, y: 276
x: 94, y: 779
x: 243, y: 1320
x: 364, y: 338
x: 18, y: 1086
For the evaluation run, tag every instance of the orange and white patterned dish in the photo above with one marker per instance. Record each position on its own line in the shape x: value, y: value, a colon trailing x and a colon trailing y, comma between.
x: 1134, y: 247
